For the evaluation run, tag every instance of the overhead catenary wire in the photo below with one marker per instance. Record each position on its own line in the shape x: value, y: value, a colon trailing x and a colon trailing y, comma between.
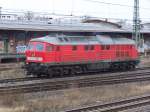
x: 109, y: 3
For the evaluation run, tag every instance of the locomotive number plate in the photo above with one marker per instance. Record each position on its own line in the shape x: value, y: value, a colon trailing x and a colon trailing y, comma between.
x: 35, y: 58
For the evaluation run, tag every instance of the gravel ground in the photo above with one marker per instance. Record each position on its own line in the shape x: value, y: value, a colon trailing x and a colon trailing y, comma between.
x: 140, y: 109
x: 71, y: 98
x: 144, y: 62
x: 15, y: 71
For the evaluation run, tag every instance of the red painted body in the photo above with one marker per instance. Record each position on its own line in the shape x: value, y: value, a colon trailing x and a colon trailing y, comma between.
x: 65, y: 53
x: 69, y: 55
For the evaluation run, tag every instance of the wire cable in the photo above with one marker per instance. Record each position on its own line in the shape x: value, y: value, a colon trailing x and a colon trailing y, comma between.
x: 109, y: 3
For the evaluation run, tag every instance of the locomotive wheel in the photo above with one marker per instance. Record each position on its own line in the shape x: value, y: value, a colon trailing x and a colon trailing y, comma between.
x: 84, y: 69
x: 115, y: 67
x: 57, y: 71
x: 72, y: 71
x: 50, y: 73
x: 78, y: 70
x: 123, y: 66
x: 39, y: 75
x: 61, y: 72
x: 28, y: 73
x: 128, y: 67
x: 132, y: 66
x: 66, y: 71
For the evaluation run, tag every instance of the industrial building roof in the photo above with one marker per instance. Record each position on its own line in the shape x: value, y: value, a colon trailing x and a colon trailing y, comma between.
x: 78, y: 27
x: 43, y: 26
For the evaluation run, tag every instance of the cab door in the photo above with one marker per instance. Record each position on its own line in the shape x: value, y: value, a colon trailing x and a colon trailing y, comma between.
x: 50, y: 53
x: 57, y: 53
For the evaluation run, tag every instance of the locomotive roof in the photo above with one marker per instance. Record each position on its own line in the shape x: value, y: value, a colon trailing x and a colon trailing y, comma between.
x: 105, y: 39
x: 83, y: 40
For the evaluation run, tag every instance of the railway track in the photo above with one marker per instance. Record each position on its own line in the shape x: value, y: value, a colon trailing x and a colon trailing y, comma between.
x: 116, y: 106
x: 104, y: 74
x: 73, y: 82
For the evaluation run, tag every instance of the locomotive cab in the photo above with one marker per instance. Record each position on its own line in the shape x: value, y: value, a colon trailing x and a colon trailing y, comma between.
x: 35, y: 52
x: 40, y: 52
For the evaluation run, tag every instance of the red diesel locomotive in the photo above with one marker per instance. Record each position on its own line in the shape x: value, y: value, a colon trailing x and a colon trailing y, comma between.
x: 62, y: 55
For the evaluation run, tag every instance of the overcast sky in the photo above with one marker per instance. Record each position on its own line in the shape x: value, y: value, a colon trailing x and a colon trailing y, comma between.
x: 80, y: 7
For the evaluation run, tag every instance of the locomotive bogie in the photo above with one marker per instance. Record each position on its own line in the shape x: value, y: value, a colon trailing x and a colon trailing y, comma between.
x: 73, y: 69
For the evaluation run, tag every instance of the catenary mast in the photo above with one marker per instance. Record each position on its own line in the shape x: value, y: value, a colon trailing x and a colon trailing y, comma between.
x: 136, y: 24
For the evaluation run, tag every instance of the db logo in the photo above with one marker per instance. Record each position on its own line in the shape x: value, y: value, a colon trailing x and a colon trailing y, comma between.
x: 33, y: 54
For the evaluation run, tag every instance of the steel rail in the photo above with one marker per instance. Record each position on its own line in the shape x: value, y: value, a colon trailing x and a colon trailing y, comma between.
x: 52, y: 85
x: 116, y: 106
x: 90, y: 75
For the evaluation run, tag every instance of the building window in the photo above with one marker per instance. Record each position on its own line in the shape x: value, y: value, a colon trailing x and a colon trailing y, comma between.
x: 60, y: 39
x: 66, y: 39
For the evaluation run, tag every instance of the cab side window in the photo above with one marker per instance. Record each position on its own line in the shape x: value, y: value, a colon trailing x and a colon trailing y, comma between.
x: 49, y: 48
x: 39, y: 47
